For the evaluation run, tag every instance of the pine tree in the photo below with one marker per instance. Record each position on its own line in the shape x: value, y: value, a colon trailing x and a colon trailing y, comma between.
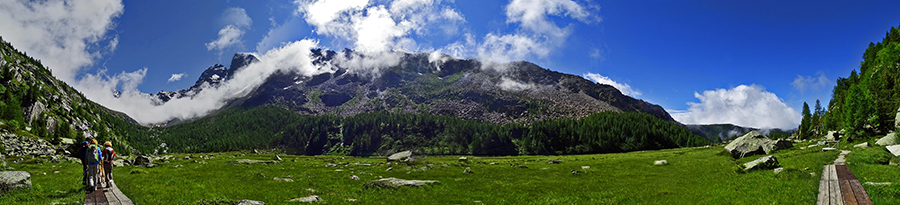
x: 805, y: 122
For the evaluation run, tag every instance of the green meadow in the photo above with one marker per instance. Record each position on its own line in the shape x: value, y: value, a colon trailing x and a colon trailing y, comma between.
x: 704, y: 175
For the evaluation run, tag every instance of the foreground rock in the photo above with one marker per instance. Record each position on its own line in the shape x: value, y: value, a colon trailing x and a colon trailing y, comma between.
x: 307, y: 199
x: 403, y: 156
x: 864, y: 144
x: 894, y: 149
x: 755, y: 143
x: 767, y: 162
x: 889, y: 139
x: 394, y: 183
x: 10, y: 180
x: 142, y: 160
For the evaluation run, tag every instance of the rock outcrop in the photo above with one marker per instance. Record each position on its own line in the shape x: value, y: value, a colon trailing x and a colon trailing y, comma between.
x: 23, y: 146
x: 10, y: 180
x: 755, y: 143
x: 394, y: 183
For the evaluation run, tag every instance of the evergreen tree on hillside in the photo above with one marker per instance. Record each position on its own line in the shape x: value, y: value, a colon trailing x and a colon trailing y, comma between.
x: 805, y: 122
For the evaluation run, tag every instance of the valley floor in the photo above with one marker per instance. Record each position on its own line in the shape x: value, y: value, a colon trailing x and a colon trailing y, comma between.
x: 693, y: 176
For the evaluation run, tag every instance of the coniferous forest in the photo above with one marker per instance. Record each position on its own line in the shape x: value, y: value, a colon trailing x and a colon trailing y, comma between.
x: 382, y: 133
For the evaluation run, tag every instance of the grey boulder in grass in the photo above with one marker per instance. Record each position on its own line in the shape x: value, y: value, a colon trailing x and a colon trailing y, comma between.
x: 394, y: 183
x: 755, y: 143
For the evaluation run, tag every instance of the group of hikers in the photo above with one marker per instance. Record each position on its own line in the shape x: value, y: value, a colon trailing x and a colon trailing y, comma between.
x: 92, y: 157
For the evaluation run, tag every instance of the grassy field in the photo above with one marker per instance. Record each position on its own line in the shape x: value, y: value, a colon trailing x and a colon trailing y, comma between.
x: 694, y: 176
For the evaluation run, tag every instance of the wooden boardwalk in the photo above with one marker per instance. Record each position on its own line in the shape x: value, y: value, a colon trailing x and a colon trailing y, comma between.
x: 111, y: 196
x: 838, y: 186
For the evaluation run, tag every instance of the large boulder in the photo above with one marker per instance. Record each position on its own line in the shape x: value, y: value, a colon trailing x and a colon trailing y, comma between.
x: 755, y: 143
x: 894, y: 149
x: 143, y: 160
x: 833, y: 136
x: 889, y: 139
x: 401, y: 156
x: 394, y: 183
x: 767, y: 162
x: 897, y: 119
x: 10, y: 180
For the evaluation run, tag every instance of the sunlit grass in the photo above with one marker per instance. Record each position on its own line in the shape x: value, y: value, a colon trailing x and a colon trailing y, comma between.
x: 694, y: 176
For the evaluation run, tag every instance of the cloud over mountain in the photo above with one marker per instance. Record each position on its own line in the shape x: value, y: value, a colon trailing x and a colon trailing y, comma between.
x: 750, y: 106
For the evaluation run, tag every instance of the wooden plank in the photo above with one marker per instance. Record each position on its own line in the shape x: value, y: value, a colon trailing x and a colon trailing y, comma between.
x: 861, y: 196
x: 847, y: 193
x: 120, y: 196
x: 823, y: 187
x: 834, y: 188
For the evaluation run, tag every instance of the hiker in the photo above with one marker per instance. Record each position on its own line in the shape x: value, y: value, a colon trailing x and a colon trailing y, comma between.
x: 80, y: 154
x: 93, y: 158
x: 108, y: 155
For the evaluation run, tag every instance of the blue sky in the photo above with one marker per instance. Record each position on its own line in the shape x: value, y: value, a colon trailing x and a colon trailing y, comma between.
x: 751, y: 63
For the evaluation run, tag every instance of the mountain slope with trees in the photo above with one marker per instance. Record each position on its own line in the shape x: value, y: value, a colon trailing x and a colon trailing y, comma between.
x: 866, y: 102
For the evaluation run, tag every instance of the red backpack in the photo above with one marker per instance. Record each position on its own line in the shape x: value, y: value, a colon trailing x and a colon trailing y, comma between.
x: 108, y: 154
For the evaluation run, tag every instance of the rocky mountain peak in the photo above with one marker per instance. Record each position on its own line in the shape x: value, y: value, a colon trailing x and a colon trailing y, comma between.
x: 239, y: 61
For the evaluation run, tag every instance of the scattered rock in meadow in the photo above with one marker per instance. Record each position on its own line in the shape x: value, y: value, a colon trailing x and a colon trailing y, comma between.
x: 767, y: 162
x: 661, y: 162
x: 15, y: 180
x: 523, y: 166
x: 253, y: 161
x: 283, y: 179
x: 778, y: 170
x: 493, y: 163
x: 889, y: 139
x: 894, y: 149
x: 308, y: 199
x: 389, y: 169
x: 394, y: 183
x: 354, y: 177
x: 330, y: 165
x: 554, y: 161
x: 152, y: 165
x: 468, y: 171
x: 864, y: 144
x: 577, y: 172
x: 833, y: 135
x: 178, y: 166
x: 250, y: 202
x: 463, y: 159
x: 277, y: 158
x: 403, y: 156
x: 755, y: 143
x: 585, y: 167
x: 142, y: 160
x: 255, y: 151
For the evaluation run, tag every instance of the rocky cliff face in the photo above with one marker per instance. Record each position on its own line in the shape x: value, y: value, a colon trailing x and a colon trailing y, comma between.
x: 517, y: 92
x: 36, y: 105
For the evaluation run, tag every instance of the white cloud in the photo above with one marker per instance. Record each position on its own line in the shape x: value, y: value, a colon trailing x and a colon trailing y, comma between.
x: 278, y: 34
x: 236, y: 16
x: 176, y: 77
x: 113, y: 44
x: 228, y: 36
x: 60, y: 33
x: 625, y: 88
x: 293, y: 57
x: 750, y: 106
x: 375, y: 28
x: 537, y: 36
x: 513, y: 85
x: 236, y: 21
x: 803, y: 83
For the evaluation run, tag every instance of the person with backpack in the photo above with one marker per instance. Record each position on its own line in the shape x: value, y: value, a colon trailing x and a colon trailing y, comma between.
x: 80, y: 154
x: 108, y: 155
x: 93, y: 158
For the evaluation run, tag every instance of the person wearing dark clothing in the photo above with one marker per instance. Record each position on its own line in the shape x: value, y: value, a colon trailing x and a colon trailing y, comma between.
x: 81, y: 152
